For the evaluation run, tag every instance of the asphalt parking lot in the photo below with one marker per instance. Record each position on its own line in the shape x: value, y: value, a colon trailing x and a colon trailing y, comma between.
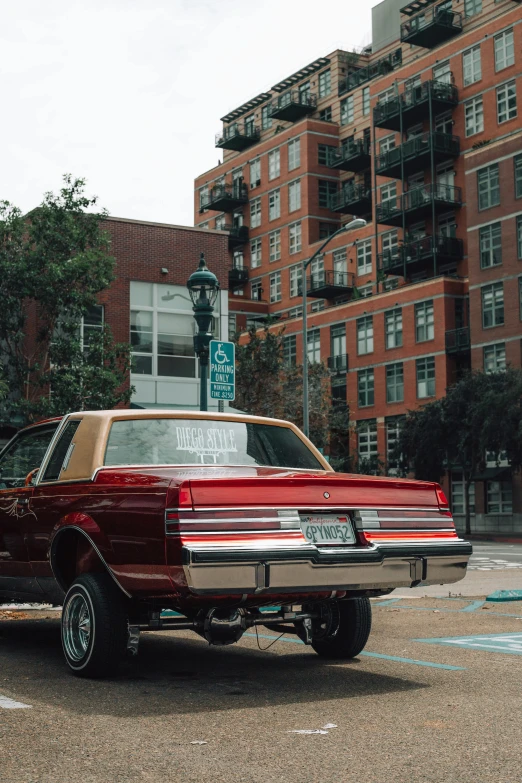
x: 406, y: 710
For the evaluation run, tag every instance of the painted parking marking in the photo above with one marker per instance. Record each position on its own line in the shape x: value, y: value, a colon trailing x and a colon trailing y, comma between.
x: 365, y: 654
x: 11, y: 704
x: 509, y: 643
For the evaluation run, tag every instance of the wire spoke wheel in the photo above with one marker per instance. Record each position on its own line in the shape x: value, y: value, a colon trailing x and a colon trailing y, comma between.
x: 77, y: 624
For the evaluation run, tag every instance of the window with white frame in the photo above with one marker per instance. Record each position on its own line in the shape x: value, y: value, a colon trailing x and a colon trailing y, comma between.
x: 458, y: 498
x: 294, y: 238
x: 317, y: 305
x: 393, y: 327
x: 255, y: 172
x: 317, y: 271
x: 494, y: 357
x: 387, y: 144
x: 274, y: 242
x: 365, y: 101
x: 275, y: 287
x: 517, y: 163
x: 203, y: 197
x: 347, y: 110
x: 325, y: 83
x: 367, y: 440
x: 444, y: 122
x: 389, y: 194
x: 425, y: 377
x: 474, y: 116
x: 506, y: 102
x: 266, y: 119
x: 365, y: 387
x: 296, y: 276
x: 232, y: 326
x: 255, y: 253
x: 441, y: 73
x: 338, y: 340
x: 424, y: 321
x: 274, y: 164
x: 295, y: 312
x: 162, y: 329
x: 472, y: 7
x: 490, y: 239
x: 471, y: 66
x: 340, y: 265
x: 256, y: 289
x: 395, y: 382
x: 499, y: 497
x: 220, y: 223
x: 390, y: 244
x: 255, y: 213
x: 91, y: 324
x: 365, y: 290
x: 289, y: 350
x: 488, y: 186
x: 314, y: 346
x: 504, y: 50
x: 294, y: 154
x: 238, y: 259
x: 390, y: 283
x: 364, y: 257
x: 365, y: 335
x: 294, y: 195
x: 492, y: 305
x: 274, y: 205
x: 393, y: 429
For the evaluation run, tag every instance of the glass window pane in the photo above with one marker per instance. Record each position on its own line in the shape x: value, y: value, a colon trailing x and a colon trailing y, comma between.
x: 142, y: 365
x: 176, y: 366
x: 141, y: 294
x: 173, y: 297
x: 175, y: 324
x: 174, y: 345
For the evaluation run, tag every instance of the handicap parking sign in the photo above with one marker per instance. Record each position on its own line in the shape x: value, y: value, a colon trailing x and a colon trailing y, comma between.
x: 222, y: 370
x: 510, y: 643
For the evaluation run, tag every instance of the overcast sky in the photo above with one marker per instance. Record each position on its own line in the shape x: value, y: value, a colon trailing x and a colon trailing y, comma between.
x: 128, y: 93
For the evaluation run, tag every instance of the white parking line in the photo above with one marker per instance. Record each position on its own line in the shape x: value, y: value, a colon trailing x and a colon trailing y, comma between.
x: 10, y: 704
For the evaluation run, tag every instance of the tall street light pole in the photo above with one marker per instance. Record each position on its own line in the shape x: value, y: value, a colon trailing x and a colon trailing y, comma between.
x: 353, y: 224
x: 203, y: 287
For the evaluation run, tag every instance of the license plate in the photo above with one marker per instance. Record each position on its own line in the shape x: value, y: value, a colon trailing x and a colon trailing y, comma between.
x: 327, y: 529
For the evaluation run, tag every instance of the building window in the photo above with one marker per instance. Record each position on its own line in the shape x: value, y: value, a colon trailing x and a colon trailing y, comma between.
x: 274, y: 205
x: 289, y: 350
x: 441, y: 73
x: 393, y: 429
x: 386, y: 144
x: 389, y: 194
x: 239, y: 260
x: 317, y: 304
x: 365, y: 335
x: 296, y: 276
x: 367, y: 440
x: 338, y: 340
x: 255, y: 213
x: 91, y: 324
x: 499, y: 497
x: 294, y: 195
x: 340, y: 266
x: 471, y: 66
x: 390, y: 284
x: 425, y: 377
x: 294, y: 238
x: 255, y: 173
x: 488, y: 185
x: 295, y: 312
x: 255, y: 253
x: 294, y: 154
x: 274, y: 242
x: 266, y: 119
x: 327, y: 229
x: 490, y: 245
x: 495, y: 357
x: 393, y: 327
x: 326, y: 189
x: 519, y: 236
x: 275, y: 287
x: 390, y: 243
x: 365, y: 386
x: 314, y: 346
x: 364, y: 257
x: 424, y: 321
x: 220, y: 223
x: 326, y: 114
x: 323, y: 153
x: 232, y: 326
x: 395, y: 382
x: 347, y: 110
x: 506, y: 102
x: 458, y: 501
x: 492, y: 305
x: 504, y: 50
x: 474, y: 116
x: 472, y: 7
x: 366, y: 101
x: 203, y: 197
x: 274, y: 164
x: 517, y: 162
x: 365, y: 290
x: 162, y: 328
x: 256, y: 289
x: 325, y: 83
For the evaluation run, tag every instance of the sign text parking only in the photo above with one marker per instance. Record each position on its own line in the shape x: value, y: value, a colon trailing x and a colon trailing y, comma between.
x: 222, y: 370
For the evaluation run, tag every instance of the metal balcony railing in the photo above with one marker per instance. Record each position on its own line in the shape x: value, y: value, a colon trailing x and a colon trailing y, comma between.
x: 237, y: 136
x: 415, y: 154
x: 432, y: 26
x: 329, y: 284
x: 351, y: 156
x: 293, y: 105
x: 458, y: 340
x: 338, y: 364
x: 237, y: 235
x: 225, y: 198
x: 354, y: 199
x: 237, y: 276
x: 368, y: 72
x: 419, y: 252
x: 413, y: 104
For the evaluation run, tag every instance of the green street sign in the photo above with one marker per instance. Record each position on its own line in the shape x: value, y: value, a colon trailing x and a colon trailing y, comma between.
x: 222, y: 370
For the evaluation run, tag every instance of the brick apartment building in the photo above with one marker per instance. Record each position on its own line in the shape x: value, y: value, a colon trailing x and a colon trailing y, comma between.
x: 419, y: 133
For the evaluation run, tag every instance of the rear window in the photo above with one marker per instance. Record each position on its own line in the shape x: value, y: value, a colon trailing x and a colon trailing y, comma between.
x: 205, y: 442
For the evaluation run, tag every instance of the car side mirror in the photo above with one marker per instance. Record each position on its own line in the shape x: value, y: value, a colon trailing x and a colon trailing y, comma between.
x: 30, y: 479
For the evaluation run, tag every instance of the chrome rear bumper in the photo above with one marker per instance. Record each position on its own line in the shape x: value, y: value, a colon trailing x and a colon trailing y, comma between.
x: 311, y: 569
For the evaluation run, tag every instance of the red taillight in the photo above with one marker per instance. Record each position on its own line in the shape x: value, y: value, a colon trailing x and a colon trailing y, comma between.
x: 441, y: 498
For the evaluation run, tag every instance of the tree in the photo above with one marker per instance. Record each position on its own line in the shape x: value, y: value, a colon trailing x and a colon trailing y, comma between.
x: 53, y: 263
x: 258, y: 373
x: 481, y: 413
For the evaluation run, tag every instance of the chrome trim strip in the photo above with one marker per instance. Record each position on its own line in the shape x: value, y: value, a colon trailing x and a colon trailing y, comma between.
x: 329, y: 509
x: 50, y: 448
x: 274, y: 533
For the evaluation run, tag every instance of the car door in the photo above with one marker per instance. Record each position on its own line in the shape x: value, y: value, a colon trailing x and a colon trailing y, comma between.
x: 22, y: 455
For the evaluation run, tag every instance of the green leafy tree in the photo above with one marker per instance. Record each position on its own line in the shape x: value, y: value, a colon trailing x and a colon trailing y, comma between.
x: 258, y: 373
x: 53, y: 263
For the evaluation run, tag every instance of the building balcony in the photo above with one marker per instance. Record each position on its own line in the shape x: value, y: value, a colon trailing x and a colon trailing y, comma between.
x: 414, y: 256
x: 432, y: 26
x: 237, y: 277
x: 237, y: 137
x: 338, y: 364
x: 414, y: 105
x: 292, y: 106
x: 415, y: 155
x: 458, y: 341
x: 368, y: 72
x: 353, y: 200
x: 418, y: 204
x: 237, y: 236
x: 225, y: 198
x: 353, y: 156
x: 330, y: 284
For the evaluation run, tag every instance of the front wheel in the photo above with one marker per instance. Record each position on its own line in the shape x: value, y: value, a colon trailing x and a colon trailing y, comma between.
x: 94, y: 626
x: 346, y: 629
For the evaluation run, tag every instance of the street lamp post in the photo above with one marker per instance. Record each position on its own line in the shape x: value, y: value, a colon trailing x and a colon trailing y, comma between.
x: 203, y: 287
x: 353, y: 224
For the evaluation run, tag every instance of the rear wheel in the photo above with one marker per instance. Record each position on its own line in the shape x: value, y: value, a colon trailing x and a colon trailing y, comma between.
x: 346, y: 629
x: 94, y: 626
